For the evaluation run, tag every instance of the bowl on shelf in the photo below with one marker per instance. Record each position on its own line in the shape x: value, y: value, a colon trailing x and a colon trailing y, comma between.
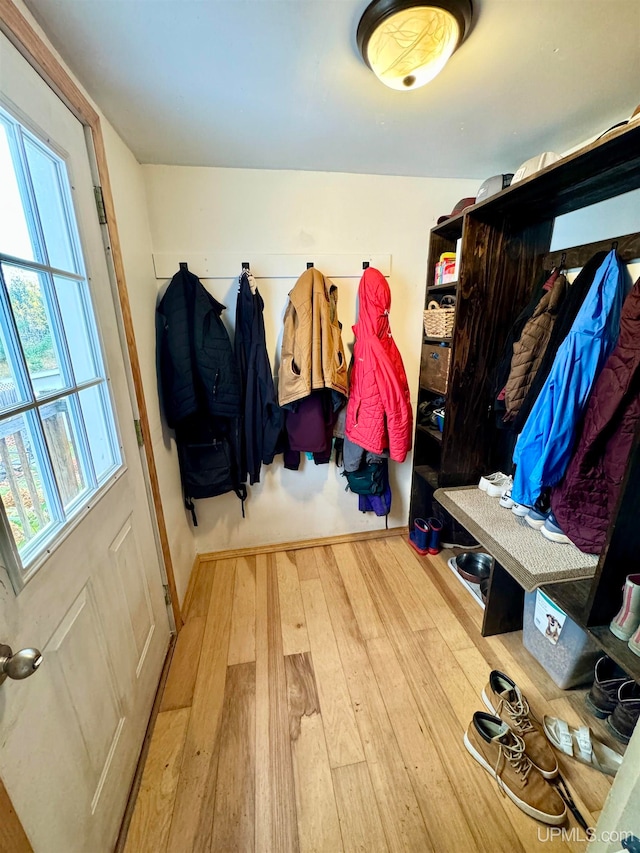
x: 474, y: 566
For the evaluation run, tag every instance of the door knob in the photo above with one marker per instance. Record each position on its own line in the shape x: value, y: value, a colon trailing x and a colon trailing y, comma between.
x: 21, y: 665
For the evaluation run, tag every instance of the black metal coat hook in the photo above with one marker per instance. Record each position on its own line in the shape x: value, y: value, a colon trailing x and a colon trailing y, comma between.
x: 183, y: 266
x: 309, y: 265
x: 365, y: 265
x: 245, y: 266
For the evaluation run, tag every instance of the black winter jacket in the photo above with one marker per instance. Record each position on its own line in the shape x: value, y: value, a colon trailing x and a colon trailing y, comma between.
x: 263, y: 418
x: 199, y: 372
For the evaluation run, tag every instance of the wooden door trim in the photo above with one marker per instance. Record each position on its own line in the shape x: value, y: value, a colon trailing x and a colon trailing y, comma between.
x: 35, y: 51
x: 13, y: 838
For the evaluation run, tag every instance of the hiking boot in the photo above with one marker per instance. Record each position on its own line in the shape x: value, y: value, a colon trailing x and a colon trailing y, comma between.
x: 504, y: 699
x: 602, y: 699
x: 502, y: 753
x: 625, y: 715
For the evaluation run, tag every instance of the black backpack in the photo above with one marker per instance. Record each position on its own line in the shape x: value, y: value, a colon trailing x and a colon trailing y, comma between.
x: 208, y: 456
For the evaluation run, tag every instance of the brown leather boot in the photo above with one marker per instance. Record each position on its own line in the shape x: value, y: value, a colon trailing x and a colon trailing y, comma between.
x: 504, y: 698
x: 608, y: 677
x: 502, y: 754
x: 626, y: 713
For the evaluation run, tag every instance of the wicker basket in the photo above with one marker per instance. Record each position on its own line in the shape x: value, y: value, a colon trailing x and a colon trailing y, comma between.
x: 438, y: 320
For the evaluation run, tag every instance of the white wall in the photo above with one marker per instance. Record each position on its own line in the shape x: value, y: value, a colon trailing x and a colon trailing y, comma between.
x: 258, y: 212
x: 135, y: 241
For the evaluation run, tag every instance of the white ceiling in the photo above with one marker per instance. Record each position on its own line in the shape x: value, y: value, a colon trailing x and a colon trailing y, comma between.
x: 279, y: 84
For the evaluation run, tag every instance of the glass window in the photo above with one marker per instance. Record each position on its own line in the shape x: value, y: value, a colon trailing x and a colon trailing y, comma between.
x: 58, y: 440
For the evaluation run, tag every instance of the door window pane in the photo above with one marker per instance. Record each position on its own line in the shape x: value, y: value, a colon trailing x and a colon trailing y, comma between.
x: 61, y: 433
x: 22, y: 484
x: 100, y: 428
x: 32, y: 308
x: 50, y: 202
x: 14, y: 233
x: 75, y: 312
x: 13, y: 392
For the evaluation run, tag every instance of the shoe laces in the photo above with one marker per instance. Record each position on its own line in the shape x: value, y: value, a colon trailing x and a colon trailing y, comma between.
x: 513, y: 753
x: 519, y: 712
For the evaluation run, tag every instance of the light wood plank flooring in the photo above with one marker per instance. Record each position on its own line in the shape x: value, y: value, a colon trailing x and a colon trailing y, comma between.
x: 316, y: 701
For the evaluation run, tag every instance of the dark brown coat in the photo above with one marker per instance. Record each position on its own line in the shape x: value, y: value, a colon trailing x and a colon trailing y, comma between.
x: 529, y: 351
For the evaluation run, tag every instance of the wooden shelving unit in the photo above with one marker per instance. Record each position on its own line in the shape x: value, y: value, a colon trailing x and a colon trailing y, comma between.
x: 432, y: 432
x: 505, y: 243
x: 442, y: 288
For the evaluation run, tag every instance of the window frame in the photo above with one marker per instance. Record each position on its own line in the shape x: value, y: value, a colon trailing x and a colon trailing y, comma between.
x: 23, y: 565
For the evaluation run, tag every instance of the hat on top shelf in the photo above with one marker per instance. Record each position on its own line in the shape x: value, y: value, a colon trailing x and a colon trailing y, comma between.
x: 493, y: 185
x: 463, y: 204
x: 633, y: 118
x: 535, y: 164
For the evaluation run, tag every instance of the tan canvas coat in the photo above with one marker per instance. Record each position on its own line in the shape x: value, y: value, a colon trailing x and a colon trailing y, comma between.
x: 312, y: 353
x: 530, y: 349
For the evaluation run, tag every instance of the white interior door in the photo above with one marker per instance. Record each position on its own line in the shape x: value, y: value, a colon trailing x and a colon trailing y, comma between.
x: 92, y: 601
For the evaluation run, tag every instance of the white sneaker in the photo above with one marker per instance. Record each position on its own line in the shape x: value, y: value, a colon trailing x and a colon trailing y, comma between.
x: 520, y: 509
x: 506, y: 500
x: 497, y: 489
x: 485, y: 482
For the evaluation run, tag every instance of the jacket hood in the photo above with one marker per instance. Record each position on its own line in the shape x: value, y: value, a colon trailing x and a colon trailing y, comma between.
x: 374, y: 299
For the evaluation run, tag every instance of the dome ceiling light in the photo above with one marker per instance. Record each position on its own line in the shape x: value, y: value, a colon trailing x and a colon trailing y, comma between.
x: 406, y: 43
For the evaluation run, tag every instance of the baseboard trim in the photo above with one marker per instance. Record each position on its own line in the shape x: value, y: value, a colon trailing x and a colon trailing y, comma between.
x: 296, y: 546
x: 191, y: 585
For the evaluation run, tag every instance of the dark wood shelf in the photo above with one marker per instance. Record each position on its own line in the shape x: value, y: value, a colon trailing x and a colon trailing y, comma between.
x: 604, y: 169
x: 431, y: 339
x: 438, y: 288
x: 432, y: 390
x: 432, y: 432
x: 429, y: 474
x: 571, y: 596
x: 617, y: 650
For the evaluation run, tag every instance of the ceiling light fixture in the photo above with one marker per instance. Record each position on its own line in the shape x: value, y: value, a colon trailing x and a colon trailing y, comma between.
x: 406, y: 43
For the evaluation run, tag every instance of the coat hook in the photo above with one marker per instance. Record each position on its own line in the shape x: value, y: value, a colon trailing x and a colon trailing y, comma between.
x: 309, y: 265
x: 563, y: 260
x: 365, y: 265
x: 183, y: 266
x: 245, y: 265
x: 614, y: 245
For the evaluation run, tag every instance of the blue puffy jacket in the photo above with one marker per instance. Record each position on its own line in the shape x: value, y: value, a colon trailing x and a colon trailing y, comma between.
x: 545, y: 444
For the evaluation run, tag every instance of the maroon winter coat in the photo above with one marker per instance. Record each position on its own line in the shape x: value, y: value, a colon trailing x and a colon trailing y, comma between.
x: 586, y: 499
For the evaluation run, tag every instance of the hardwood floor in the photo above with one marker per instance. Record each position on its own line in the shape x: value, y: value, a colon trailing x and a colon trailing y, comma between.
x: 317, y: 701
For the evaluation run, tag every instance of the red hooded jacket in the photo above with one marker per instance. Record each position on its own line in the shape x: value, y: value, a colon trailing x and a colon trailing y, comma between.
x: 379, y: 414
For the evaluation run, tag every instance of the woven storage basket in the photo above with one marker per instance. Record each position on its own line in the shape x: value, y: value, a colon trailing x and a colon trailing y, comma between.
x: 438, y: 320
